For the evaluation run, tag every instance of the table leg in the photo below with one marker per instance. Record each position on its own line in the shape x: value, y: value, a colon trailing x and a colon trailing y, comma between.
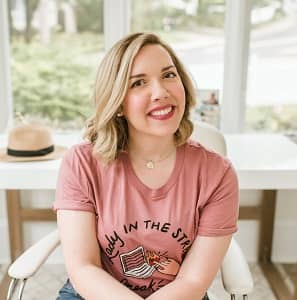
x: 14, y: 223
x: 16, y: 215
x: 4, y: 286
x: 266, y: 237
x: 15, y: 233
x: 267, y: 225
x: 295, y: 288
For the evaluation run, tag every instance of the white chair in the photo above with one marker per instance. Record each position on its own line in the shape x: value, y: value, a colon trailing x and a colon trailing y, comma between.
x: 236, y: 276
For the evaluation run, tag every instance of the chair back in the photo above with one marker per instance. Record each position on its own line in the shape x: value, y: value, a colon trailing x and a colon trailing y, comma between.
x: 209, y: 137
x: 237, y: 278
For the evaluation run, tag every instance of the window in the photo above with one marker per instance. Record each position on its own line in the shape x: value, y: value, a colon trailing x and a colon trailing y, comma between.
x: 195, y: 29
x: 53, y: 80
x: 55, y: 50
x: 271, y: 91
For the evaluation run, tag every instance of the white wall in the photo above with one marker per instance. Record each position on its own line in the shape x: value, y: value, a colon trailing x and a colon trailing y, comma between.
x: 285, y: 238
x: 285, y: 227
x: 285, y: 243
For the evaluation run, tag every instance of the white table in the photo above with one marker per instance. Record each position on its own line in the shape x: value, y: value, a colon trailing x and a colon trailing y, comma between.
x: 34, y: 175
x: 266, y: 162
x: 263, y: 161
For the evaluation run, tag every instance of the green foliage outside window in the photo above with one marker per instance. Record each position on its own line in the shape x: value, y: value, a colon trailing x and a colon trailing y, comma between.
x: 55, y: 82
x: 89, y: 14
x: 155, y: 15
x: 272, y: 118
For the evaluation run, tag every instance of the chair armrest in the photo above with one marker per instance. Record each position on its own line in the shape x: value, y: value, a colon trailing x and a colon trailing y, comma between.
x: 236, y: 275
x: 28, y: 263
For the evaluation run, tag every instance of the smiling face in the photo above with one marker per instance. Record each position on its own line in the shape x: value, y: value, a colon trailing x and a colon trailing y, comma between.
x: 155, y: 101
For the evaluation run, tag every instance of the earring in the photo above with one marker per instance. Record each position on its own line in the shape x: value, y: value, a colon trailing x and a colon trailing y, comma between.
x: 120, y: 114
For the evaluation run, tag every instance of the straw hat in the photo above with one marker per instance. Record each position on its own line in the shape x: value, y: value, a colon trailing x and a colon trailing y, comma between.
x: 30, y: 142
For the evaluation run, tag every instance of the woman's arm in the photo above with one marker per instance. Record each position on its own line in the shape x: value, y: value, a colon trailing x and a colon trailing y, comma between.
x: 82, y: 258
x: 197, y: 270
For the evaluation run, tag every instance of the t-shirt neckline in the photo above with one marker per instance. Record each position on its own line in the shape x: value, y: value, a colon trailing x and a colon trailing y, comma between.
x: 159, y: 193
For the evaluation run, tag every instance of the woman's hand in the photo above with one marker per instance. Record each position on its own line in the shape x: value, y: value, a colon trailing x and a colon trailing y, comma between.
x: 169, y: 266
x: 197, y: 271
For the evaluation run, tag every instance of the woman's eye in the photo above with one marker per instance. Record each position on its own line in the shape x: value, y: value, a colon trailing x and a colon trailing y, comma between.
x: 170, y: 75
x: 137, y: 83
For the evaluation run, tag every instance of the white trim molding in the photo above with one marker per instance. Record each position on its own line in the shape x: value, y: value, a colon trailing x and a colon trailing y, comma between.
x: 5, y: 78
x: 116, y: 21
x: 236, y: 52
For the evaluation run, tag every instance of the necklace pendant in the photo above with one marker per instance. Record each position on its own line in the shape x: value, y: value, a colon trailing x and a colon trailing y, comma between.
x: 150, y: 164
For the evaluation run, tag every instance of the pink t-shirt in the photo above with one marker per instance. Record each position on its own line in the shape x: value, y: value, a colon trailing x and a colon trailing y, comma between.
x: 145, y: 233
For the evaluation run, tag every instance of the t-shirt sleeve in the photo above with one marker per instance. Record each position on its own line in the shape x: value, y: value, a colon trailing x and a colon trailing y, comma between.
x: 73, y: 188
x: 218, y: 217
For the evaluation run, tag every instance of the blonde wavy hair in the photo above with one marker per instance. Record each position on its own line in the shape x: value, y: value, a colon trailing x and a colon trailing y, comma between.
x: 107, y: 132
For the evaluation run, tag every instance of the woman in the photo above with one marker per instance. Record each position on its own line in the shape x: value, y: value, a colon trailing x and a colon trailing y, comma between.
x: 143, y: 212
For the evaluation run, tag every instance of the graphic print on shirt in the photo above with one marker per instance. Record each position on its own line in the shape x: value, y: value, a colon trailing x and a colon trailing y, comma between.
x: 142, y: 264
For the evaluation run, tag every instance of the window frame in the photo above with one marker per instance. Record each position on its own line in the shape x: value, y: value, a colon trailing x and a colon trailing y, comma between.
x: 236, y: 54
x: 5, y: 77
x: 117, y: 25
x: 116, y: 21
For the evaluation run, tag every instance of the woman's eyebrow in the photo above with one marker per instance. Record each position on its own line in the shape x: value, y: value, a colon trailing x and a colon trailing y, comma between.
x: 143, y: 74
x: 168, y: 67
x: 137, y: 75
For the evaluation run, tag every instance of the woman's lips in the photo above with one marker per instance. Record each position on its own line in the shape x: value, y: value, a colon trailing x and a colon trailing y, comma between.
x: 162, y: 113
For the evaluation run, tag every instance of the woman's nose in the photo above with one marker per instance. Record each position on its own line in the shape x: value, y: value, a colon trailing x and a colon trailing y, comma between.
x: 159, y: 91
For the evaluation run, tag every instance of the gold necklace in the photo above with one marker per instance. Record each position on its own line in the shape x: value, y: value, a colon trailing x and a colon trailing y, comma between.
x: 150, y: 164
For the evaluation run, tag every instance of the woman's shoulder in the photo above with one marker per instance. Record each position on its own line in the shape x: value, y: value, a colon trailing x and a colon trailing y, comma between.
x: 197, y: 151
x: 80, y: 149
x: 209, y: 163
x: 80, y: 153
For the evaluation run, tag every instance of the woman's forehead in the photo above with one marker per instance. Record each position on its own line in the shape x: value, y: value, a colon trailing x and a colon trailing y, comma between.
x: 151, y: 56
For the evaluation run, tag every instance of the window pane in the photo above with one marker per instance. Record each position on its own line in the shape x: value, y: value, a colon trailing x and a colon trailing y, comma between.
x: 271, y: 92
x: 54, y: 58
x: 195, y: 29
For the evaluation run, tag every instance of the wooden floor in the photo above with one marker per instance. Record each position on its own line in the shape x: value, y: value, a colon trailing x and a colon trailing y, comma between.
x: 291, y: 272
x: 282, y: 279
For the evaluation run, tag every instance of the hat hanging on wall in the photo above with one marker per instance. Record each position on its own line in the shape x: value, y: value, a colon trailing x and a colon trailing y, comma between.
x: 30, y: 142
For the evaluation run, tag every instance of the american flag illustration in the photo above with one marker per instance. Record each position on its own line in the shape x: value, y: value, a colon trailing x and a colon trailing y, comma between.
x: 134, y: 264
